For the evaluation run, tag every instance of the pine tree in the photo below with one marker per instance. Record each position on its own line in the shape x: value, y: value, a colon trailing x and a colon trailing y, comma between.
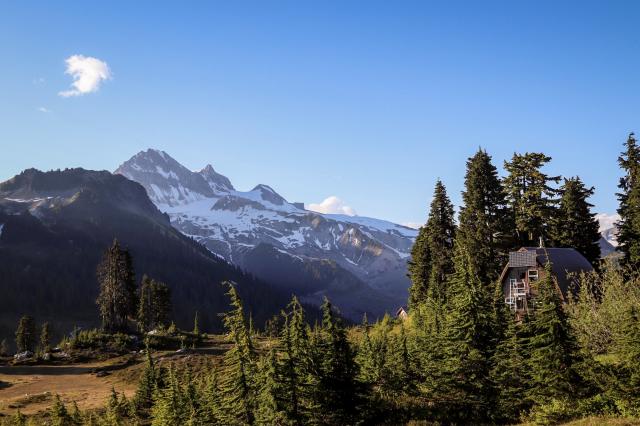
x: 574, y: 225
x: 553, y: 349
x: 59, y: 414
x: 154, y: 307
x: 113, y: 414
x: 628, y: 349
x: 196, y: 325
x: 237, y: 385
x: 76, y: 415
x: 147, y: 386
x: 468, y: 340
x: 213, y: 399
x: 337, y: 392
x: 4, y: 348
x: 510, y: 373
x: 629, y: 199
x: 117, y: 298
x: 45, y: 338
x: 26, y: 334
x: 431, y: 255
x: 271, y: 410
x: 19, y: 419
x: 168, y: 407
x: 486, y: 223
x: 530, y: 196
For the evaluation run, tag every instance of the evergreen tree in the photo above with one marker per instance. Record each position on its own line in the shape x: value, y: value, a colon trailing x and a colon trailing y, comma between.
x: 432, y: 253
x: 510, y: 373
x: 213, y: 399
x: 4, y: 348
x: 117, y: 298
x: 629, y: 199
x: 45, y: 338
x: 169, y: 407
x: 468, y: 335
x: 553, y: 349
x: 154, y: 308
x: 486, y: 223
x: 337, y: 392
x: 196, y: 325
x: 574, y: 225
x: 113, y: 414
x: 530, y: 196
x: 76, y: 415
x: 147, y: 386
x: 628, y: 349
x: 59, y: 414
x: 237, y: 385
x: 26, y: 334
x: 271, y: 410
x: 19, y: 419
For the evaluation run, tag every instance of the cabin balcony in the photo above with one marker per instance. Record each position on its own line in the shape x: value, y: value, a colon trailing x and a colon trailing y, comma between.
x: 517, y: 295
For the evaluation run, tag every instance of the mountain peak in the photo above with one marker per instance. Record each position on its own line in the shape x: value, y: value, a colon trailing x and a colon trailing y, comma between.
x: 216, y: 181
x: 268, y: 194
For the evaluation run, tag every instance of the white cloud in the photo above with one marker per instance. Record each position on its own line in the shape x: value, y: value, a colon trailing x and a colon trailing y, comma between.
x: 43, y: 109
x: 332, y: 205
x: 607, y: 220
x: 87, y: 72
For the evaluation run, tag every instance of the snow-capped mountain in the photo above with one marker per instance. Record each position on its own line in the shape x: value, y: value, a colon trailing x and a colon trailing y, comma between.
x: 359, y: 262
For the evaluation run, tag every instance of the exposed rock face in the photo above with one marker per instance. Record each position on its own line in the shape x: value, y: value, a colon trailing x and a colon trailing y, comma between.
x: 233, y: 224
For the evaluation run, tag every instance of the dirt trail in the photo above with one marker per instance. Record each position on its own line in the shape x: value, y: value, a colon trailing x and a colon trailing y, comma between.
x: 31, y: 388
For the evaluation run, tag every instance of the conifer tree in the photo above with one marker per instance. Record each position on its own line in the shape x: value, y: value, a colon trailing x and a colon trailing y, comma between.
x: 553, y: 349
x: 432, y: 253
x: 169, y: 407
x: 337, y: 392
x: 59, y: 414
x: 26, y: 334
x: 147, y: 385
x: 45, y: 338
x: 468, y: 339
x: 574, y: 225
x: 76, y: 415
x: 154, y: 308
x: 213, y: 399
x: 117, y: 298
x: 4, y: 347
x: 510, y: 373
x: 113, y: 415
x: 530, y: 196
x: 271, y: 409
x: 237, y: 384
x: 629, y: 208
x: 19, y: 419
x: 196, y: 325
x: 628, y: 349
x: 485, y: 219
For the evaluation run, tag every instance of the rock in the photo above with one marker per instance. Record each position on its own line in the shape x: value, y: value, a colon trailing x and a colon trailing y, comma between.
x: 22, y: 356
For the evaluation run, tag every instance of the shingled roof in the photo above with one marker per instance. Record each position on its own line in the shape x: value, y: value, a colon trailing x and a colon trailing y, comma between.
x: 564, y: 262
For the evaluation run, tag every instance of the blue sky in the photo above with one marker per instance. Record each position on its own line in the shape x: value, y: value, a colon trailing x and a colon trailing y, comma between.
x: 367, y: 101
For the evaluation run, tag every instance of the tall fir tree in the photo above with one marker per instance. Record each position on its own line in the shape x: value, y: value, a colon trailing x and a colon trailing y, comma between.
x: 337, y: 391
x: 510, y: 373
x: 239, y: 365
x: 26, y: 334
x: 117, y: 299
x: 530, y: 195
x: 553, y: 350
x: 147, y: 386
x: 486, y: 223
x: 574, y: 225
x: 469, y: 339
x: 45, y: 338
x: 431, y: 256
x: 154, y: 307
x: 629, y: 208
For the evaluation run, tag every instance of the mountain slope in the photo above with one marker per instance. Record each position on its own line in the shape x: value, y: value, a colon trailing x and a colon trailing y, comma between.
x: 234, y: 224
x: 55, y: 227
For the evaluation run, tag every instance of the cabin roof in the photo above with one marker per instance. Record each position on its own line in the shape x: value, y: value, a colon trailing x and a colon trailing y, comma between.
x: 564, y: 262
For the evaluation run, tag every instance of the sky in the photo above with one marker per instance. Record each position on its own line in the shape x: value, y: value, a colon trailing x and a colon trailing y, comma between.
x: 354, y: 106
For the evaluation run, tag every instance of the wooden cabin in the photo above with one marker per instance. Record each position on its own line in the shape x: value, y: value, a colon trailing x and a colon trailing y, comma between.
x: 527, y: 265
x: 401, y: 313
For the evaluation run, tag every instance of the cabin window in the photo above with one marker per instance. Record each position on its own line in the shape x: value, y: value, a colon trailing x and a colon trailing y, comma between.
x: 533, y: 275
